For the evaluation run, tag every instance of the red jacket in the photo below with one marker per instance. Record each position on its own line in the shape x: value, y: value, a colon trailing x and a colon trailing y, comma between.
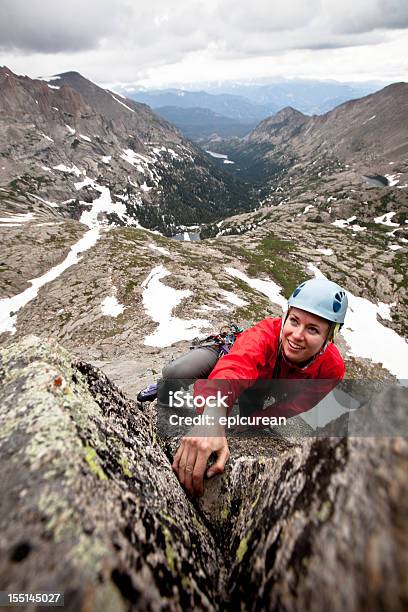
x: 253, y: 357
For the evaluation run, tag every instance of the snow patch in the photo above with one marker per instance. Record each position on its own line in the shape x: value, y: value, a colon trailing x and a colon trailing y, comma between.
x: 51, y: 204
x: 267, y: 287
x: 131, y: 157
x: 232, y: 298
x: 87, y: 181
x: 122, y: 103
x: 19, y: 218
x: 119, y: 94
x: 48, y: 78
x: 101, y: 205
x: 67, y: 170
x: 159, y: 150
x: 9, y: 307
x: 173, y: 154
x: 386, y: 219
x: 159, y: 301
x: 111, y: 307
x: 346, y: 224
x: 47, y: 137
x: 159, y: 249
x: 216, y: 155
x: 49, y: 223
x: 370, y: 119
x: 384, y: 310
x: 392, y: 179
x: 325, y: 251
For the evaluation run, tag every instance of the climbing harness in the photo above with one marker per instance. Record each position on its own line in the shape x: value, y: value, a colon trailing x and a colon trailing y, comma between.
x: 223, y: 341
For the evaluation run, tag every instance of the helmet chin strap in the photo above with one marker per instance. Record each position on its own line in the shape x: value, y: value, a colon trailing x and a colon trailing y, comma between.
x: 284, y: 318
x: 331, y: 334
x: 326, y: 342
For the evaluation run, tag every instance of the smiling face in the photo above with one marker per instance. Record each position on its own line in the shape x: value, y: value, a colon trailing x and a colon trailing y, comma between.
x: 303, y: 335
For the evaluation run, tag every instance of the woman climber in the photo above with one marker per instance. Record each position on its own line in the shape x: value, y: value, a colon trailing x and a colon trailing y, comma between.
x: 297, y: 347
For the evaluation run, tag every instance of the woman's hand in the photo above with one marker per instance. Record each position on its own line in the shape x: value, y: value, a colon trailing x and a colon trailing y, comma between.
x: 190, y: 460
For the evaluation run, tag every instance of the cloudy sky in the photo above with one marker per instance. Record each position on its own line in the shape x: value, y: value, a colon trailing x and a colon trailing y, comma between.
x: 161, y: 42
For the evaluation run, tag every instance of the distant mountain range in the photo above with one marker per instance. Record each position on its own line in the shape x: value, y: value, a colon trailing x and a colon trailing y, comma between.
x: 367, y: 131
x: 198, y: 124
x: 199, y: 114
x: 234, y: 106
x: 56, y: 131
x: 308, y: 96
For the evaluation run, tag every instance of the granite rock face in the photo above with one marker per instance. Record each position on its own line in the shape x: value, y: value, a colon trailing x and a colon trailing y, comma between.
x: 90, y: 506
x: 89, y: 503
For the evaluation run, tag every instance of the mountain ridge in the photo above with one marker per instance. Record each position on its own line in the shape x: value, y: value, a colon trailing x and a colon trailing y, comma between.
x: 366, y: 132
x: 89, y: 131
x: 230, y: 105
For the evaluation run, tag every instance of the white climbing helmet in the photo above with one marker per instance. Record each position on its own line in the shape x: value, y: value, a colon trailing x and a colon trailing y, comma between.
x: 321, y: 297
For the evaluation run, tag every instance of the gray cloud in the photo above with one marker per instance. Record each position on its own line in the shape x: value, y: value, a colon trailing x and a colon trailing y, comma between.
x: 265, y: 16
x: 295, y: 24
x: 122, y: 37
x: 53, y: 27
x: 353, y: 17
